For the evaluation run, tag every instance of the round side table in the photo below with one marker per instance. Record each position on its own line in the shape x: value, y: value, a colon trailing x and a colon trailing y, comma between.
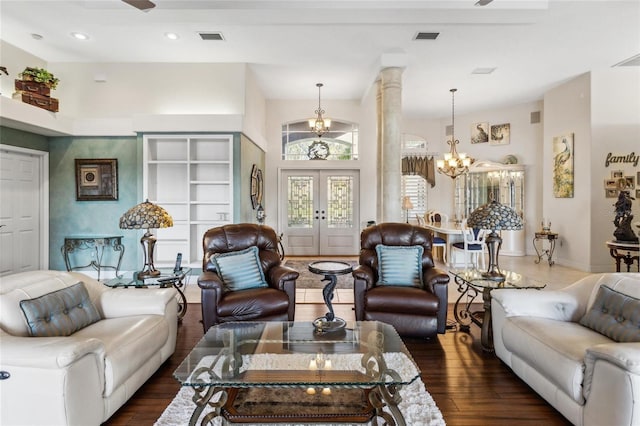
x: 330, y: 269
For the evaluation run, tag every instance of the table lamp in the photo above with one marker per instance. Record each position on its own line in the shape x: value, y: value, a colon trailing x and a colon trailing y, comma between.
x: 406, y: 206
x: 494, y: 217
x: 146, y: 216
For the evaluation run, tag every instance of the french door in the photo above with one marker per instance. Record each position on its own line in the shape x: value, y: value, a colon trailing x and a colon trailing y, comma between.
x: 319, y: 213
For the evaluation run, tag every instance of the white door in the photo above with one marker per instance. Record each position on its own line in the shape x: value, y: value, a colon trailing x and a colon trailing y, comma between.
x: 22, y: 241
x: 320, y: 212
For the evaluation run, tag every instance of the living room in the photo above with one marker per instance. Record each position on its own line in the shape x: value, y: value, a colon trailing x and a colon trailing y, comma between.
x: 109, y: 106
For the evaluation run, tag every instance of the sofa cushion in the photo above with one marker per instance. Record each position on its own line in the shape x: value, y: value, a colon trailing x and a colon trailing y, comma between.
x: 400, y: 265
x: 240, y: 270
x: 60, y: 313
x: 615, y: 315
x: 555, y: 349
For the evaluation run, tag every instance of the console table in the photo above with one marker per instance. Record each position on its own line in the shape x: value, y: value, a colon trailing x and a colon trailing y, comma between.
x: 621, y: 251
x: 541, y: 251
x: 97, y: 244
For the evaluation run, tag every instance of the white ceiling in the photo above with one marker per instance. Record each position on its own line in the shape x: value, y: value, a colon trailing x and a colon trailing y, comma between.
x: 293, y: 44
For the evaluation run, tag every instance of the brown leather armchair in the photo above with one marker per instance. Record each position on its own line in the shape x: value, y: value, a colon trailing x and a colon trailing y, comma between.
x: 273, y: 303
x: 413, y: 311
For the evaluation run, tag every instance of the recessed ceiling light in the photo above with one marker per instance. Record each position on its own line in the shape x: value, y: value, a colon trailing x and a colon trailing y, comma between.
x: 79, y: 36
x: 36, y: 36
x: 172, y: 36
x: 485, y: 70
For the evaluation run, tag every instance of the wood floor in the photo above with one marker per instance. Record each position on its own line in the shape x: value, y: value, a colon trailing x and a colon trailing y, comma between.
x: 470, y: 387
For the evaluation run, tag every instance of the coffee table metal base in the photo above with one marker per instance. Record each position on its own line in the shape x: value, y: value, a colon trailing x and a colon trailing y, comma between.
x: 228, y: 362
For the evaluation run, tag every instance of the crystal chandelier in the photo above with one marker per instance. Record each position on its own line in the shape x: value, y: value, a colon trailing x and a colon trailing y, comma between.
x: 454, y: 163
x: 319, y: 125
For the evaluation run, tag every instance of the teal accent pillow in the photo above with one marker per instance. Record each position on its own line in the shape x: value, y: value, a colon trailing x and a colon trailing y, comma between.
x: 400, y: 265
x: 614, y: 315
x: 61, y: 312
x: 240, y: 270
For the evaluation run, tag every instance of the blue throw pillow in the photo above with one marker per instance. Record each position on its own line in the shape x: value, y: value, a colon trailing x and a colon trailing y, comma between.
x: 240, y: 270
x: 400, y: 265
x: 614, y: 314
x: 60, y: 313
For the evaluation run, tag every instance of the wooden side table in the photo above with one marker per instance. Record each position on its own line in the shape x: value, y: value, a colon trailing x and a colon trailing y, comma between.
x: 538, y: 240
x: 621, y: 251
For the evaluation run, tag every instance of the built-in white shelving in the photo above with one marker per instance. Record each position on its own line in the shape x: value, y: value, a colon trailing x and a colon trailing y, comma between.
x: 191, y: 176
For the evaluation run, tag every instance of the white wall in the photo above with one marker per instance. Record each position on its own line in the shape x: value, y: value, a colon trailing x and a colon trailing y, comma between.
x: 567, y: 109
x: 254, y: 122
x: 526, y: 145
x: 15, y: 60
x: 615, y: 128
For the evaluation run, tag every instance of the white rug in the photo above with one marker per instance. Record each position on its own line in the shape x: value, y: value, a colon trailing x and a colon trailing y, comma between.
x: 417, y: 406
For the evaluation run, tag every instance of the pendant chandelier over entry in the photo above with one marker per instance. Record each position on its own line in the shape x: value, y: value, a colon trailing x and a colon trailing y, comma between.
x: 454, y: 164
x: 318, y: 124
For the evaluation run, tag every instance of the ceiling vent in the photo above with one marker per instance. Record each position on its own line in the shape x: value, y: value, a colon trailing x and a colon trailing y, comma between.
x: 426, y: 36
x: 633, y: 61
x: 486, y: 70
x: 211, y: 36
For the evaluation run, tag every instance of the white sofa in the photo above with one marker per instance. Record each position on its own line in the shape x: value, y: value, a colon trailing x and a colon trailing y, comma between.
x: 588, y: 377
x: 81, y: 379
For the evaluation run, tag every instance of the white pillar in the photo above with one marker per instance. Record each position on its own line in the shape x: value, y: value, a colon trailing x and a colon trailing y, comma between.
x: 391, y: 94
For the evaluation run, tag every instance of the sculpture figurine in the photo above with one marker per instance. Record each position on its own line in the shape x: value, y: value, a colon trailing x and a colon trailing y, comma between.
x: 622, y: 221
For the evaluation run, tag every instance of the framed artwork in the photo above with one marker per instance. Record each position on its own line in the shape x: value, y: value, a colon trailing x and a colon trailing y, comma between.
x: 610, y: 184
x: 611, y: 193
x: 637, y: 194
x: 500, y: 134
x: 96, y: 179
x: 563, y: 166
x: 629, y: 182
x: 479, y: 132
x: 617, y: 174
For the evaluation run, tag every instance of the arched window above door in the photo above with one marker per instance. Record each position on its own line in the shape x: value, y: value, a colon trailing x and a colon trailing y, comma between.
x: 339, y: 143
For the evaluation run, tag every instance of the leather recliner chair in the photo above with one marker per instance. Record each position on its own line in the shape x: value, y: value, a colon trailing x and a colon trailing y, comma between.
x: 273, y: 303
x: 413, y: 311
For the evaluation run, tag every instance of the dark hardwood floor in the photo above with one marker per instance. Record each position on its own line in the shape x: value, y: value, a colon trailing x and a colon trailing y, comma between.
x: 470, y: 387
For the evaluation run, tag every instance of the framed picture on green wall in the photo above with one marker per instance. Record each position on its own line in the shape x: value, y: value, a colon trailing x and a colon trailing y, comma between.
x: 96, y: 179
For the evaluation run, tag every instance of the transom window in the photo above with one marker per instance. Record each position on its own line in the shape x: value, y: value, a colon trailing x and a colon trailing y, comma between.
x: 339, y: 143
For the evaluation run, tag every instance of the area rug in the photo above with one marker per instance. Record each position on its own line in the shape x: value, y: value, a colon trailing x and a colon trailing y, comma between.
x: 417, y: 406
x: 308, y: 279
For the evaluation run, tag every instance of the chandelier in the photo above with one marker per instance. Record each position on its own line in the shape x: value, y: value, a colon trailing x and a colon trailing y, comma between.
x: 319, y: 125
x: 454, y: 164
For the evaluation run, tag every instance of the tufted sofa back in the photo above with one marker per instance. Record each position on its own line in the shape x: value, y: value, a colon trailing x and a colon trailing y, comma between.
x: 240, y: 236
x: 394, y: 234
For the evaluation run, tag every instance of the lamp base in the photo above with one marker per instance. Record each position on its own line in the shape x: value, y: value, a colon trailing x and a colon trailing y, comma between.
x: 147, y: 274
x: 494, y: 276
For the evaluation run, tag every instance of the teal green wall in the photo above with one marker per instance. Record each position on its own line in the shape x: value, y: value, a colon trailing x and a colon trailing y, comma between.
x: 70, y: 217
x: 23, y: 139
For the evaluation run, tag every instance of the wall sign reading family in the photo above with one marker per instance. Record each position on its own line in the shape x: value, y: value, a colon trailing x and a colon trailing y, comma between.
x: 96, y: 179
x: 631, y: 158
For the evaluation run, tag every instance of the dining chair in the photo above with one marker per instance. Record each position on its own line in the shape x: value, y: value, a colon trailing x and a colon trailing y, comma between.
x: 472, y: 244
x: 435, y: 216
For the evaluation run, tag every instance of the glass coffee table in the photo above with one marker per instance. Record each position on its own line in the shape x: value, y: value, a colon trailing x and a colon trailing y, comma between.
x: 470, y: 284
x: 285, y: 372
x: 167, y: 278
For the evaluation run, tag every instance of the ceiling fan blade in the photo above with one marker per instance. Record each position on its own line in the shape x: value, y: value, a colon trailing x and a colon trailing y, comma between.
x: 144, y: 5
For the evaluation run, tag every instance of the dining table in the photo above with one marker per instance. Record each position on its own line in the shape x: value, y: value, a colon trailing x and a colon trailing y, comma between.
x: 451, y: 231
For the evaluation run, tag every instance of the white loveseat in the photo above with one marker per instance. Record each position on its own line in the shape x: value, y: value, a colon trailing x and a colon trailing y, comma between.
x: 588, y: 377
x: 83, y: 378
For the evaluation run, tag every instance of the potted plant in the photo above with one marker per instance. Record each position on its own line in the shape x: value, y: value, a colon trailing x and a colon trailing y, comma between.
x: 39, y: 75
